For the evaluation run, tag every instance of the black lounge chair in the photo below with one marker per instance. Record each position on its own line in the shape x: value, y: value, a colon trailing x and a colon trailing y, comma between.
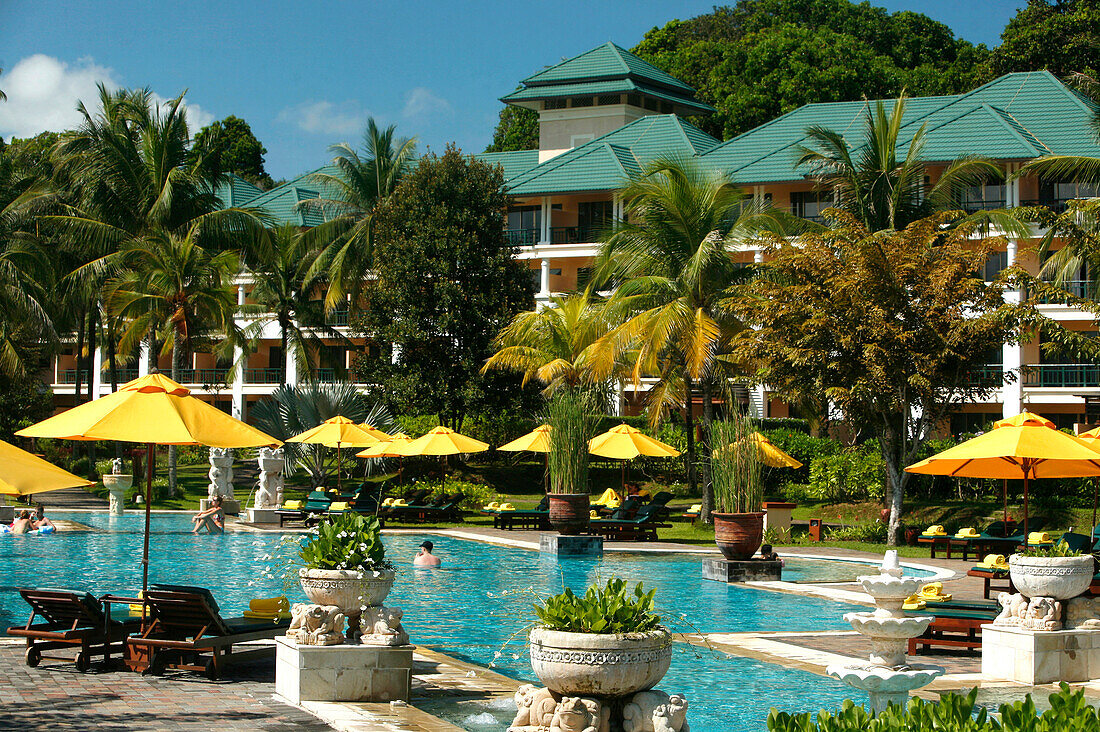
x: 185, y: 631
x: 536, y: 518
x: 643, y: 527
x: 997, y: 535
x: 316, y: 503
x: 72, y: 619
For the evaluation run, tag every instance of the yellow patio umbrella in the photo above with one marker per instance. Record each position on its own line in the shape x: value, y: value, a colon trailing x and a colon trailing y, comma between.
x: 153, y: 410
x: 769, y: 454
x: 1025, y: 446
x: 1092, y: 439
x: 441, y: 441
x: 626, y: 443
x: 537, y: 440
x: 22, y: 473
x: 338, y: 432
x: 373, y: 431
x: 384, y: 450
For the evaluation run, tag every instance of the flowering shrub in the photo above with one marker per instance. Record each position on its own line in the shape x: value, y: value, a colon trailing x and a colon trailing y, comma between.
x: 345, y: 541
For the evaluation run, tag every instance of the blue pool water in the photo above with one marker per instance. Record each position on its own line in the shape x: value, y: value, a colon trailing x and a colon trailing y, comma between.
x: 469, y: 607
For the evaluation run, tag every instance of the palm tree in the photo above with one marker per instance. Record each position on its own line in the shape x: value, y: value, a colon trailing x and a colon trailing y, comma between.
x: 283, y: 288
x: 672, y: 256
x: 884, y: 188
x: 348, y: 199
x: 180, y: 291
x: 554, y: 345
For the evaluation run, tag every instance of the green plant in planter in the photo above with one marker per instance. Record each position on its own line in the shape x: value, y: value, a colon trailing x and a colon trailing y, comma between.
x: 1061, y: 549
x: 569, y: 414
x: 736, y: 468
x: 346, y: 541
x: 608, y: 609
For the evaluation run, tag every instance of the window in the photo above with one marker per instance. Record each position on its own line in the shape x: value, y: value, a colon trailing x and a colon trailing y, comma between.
x: 996, y: 262
x: 524, y: 224
x: 983, y: 197
x: 581, y: 102
x: 276, y: 359
x: 965, y: 423
x: 634, y: 100
x: 593, y: 217
x: 554, y: 104
x: 1055, y: 195
x: 810, y: 204
x: 608, y: 99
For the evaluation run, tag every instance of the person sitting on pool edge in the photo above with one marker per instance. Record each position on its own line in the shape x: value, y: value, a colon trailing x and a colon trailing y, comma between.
x: 23, y: 524
x: 425, y: 558
x: 212, y: 518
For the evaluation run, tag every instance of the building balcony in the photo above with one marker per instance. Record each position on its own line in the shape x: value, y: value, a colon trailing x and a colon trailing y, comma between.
x: 987, y: 376
x: 1062, y: 376
x: 68, y: 376
x: 523, y: 237
x: 337, y: 317
x: 264, y: 376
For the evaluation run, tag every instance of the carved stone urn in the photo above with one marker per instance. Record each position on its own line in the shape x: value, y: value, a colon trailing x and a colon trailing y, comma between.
x: 116, y: 486
x: 600, y: 665
x: 347, y: 590
x: 1061, y: 578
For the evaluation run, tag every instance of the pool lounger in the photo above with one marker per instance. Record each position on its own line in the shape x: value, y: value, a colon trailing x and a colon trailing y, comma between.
x: 72, y: 619
x: 186, y: 631
x: 957, y: 624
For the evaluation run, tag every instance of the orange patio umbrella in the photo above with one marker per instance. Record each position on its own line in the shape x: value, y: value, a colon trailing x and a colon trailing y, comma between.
x: 387, y: 449
x: 1092, y: 439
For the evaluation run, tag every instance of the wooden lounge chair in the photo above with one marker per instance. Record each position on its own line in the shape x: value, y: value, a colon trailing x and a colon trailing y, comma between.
x: 186, y: 631
x: 993, y: 535
x: 643, y: 527
x: 957, y: 625
x: 317, y: 503
x: 536, y: 518
x: 72, y: 619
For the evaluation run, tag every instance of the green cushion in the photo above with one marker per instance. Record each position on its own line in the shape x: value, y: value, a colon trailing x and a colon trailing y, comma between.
x: 248, y: 625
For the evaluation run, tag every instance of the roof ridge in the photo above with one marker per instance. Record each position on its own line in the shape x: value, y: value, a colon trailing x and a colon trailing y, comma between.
x: 1002, y: 113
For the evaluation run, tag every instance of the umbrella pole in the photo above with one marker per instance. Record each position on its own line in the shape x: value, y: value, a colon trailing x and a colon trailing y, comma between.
x: 1094, y: 488
x: 1025, y: 507
x: 339, y: 483
x: 624, y: 477
x: 546, y: 475
x: 1004, y: 498
x: 149, y: 457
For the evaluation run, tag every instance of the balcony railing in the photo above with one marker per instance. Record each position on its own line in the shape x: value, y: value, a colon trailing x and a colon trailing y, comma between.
x: 558, y: 235
x: 987, y: 205
x: 989, y: 375
x: 324, y: 376
x: 203, y: 376
x: 1077, y: 288
x: 68, y: 376
x: 263, y: 376
x: 1062, y: 375
x: 522, y: 237
x: 337, y: 317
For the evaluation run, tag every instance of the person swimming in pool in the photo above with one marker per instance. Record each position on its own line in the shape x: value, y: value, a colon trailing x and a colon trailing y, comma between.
x: 23, y: 524
x: 40, y: 521
x: 425, y: 558
x: 212, y: 518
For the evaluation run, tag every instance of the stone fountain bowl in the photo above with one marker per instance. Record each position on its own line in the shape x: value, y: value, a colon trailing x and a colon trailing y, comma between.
x: 881, y: 679
x: 1062, y: 578
x: 875, y: 626
x: 595, y: 664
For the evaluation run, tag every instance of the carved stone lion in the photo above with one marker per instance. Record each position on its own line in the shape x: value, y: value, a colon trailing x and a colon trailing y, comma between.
x: 655, y: 711
x: 534, y: 709
x: 381, y: 626
x: 1013, y: 609
x: 580, y: 714
x: 1043, y: 613
x: 316, y: 625
x: 1083, y: 613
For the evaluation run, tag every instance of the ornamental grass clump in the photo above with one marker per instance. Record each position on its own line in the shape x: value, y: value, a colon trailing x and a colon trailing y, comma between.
x: 571, y: 421
x: 736, y: 468
x: 346, y: 541
x: 605, y: 610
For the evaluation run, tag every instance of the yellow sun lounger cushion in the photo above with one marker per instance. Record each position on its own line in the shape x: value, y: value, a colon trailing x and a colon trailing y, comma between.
x: 967, y: 533
x: 1038, y: 537
x: 696, y: 508
x: 913, y: 602
x: 933, y: 592
x: 507, y: 507
x: 593, y: 514
x: 994, y: 561
x: 399, y: 502
x: 269, y: 605
x: 493, y: 506
x: 935, y: 530
x: 338, y: 506
x: 292, y: 505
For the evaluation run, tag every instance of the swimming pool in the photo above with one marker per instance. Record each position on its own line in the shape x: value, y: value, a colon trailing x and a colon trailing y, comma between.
x: 469, y: 607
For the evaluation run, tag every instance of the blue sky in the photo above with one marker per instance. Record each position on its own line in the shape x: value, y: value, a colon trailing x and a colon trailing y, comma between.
x: 307, y: 74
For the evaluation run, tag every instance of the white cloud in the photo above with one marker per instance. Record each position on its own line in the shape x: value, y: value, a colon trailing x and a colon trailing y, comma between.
x: 43, y: 93
x: 423, y: 102
x: 325, y: 117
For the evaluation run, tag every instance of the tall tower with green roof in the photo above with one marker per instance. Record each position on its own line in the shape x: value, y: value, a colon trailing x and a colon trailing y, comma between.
x: 598, y: 92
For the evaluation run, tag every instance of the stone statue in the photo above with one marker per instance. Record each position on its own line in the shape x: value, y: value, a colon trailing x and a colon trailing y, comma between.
x: 1013, y: 609
x: 117, y: 466
x: 381, y: 626
x: 316, y: 625
x: 655, y: 711
x: 580, y: 714
x: 269, y: 493
x: 534, y: 709
x: 1083, y: 613
x: 221, y: 473
x: 1043, y: 613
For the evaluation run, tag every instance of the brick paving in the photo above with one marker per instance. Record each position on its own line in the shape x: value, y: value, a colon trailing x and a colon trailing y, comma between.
x: 55, y: 696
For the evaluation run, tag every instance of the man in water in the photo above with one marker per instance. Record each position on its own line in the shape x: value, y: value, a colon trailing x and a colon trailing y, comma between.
x: 40, y: 521
x: 23, y: 524
x: 212, y: 518
x: 425, y: 558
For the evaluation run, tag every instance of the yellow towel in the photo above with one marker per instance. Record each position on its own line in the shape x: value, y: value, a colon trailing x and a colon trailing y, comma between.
x: 269, y: 605
x: 399, y: 502
x: 266, y: 616
x: 967, y: 533
x: 913, y: 602
x: 933, y: 592
x: 593, y: 514
x: 338, y: 506
x: 935, y: 530
x: 1038, y: 537
x: 507, y: 507
x: 994, y: 561
x: 493, y: 506
x: 387, y: 502
x: 695, y: 508
x: 292, y: 505
x: 135, y: 609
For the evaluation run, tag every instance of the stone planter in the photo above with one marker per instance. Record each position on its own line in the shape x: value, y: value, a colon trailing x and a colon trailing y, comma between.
x: 738, y: 535
x: 1062, y: 578
x: 344, y: 589
x: 569, y: 512
x: 600, y: 665
x: 116, y: 486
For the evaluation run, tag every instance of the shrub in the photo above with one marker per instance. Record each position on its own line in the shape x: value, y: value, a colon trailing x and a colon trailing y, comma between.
x: 497, y: 429
x: 856, y: 474
x: 417, y: 425
x: 1061, y: 549
x: 782, y: 423
x: 193, y: 455
x: 797, y: 493
x: 474, y: 495
x: 83, y: 467
x: 103, y: 467
x: 872, y: 533
x: 606, y: 609
x: 803, y: 448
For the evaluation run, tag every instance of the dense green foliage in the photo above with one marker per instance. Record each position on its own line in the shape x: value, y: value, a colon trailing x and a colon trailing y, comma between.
x: 853, y: 474
x: 346, y: 541
x: 608, y: 609
x: 228, y: 146
x: 1062, y: 36
x: 517, y: 129
x: 450, y: 284
x: 1069, y: 710
x: 22, y: 403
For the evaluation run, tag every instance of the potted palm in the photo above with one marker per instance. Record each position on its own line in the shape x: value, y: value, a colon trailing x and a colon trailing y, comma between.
x: 605, y: 643
x: 570, y: 421
x: 738, y: 488
x: 345, y: 565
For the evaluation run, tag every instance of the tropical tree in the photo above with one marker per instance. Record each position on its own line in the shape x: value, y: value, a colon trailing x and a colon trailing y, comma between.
x: 672, y: 257
x: 349, y: 199
x: 554, y: 345
x: 881, y: 183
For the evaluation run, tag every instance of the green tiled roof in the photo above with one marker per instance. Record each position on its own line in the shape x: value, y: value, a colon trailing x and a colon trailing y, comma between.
x: 236, y: 191
x: 609, y: 86
x: 606, y: 162
x: 282, y: 201
x: 513, y: 162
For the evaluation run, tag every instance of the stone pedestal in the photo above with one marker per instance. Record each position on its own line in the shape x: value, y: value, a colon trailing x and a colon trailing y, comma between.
x: 747, y: 570
x: 231, y: 506
x: 342, y: 673
x: 777, y: 515
x: 117, y: 485
x: 587, y: 546
x: 262, y: 516
x: 1040, y: 656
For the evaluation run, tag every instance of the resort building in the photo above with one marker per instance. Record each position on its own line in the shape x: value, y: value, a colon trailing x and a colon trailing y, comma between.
x: 605, y: 113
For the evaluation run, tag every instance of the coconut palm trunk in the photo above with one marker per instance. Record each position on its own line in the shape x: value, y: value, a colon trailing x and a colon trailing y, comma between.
x: 707, y: 486
x: 689, y: 427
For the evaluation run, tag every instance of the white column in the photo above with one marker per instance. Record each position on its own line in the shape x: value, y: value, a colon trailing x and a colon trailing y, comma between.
x: 291, y: 363
x: 544, y: 278
x: 617, y: 400
x: 544, y: 233
x: 1012, y: 354
x: 143, y: 358
x: 238, y: 368
x: 97, y: 372
x: 758, y: 400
